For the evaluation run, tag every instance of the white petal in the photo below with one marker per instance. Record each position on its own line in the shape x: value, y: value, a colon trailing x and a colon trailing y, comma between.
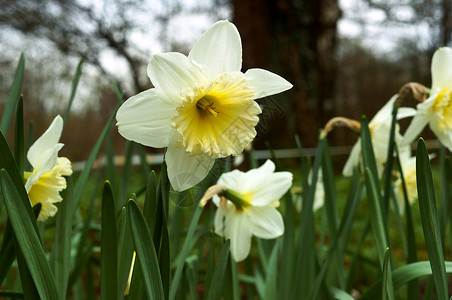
x: 414, y: 129
x: 42, y: 155
x: 219, y: 48
x: 405, y: 112
x: 267, y: 168
x: 219, y: 221
x: 145, y: 119
x: 268, y: 188
x: 443, y: 135
x: 441, y: 68
x: 171, y: 73
x: 238, y: 228
x: 233, y: 180
x: 184, y: 170
x: 352, y: 160
x: 267, y: 222
x: 266, y: 83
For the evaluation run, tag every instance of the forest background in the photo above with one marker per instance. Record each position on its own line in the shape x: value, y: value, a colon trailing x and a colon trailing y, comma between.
x: 344, y: 58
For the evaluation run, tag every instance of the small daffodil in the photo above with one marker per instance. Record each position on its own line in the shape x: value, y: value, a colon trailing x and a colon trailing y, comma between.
x: 246, y: 206
x: 46, y: 181
x: 202, y: 106
x: 380, y: 127
x: 437, y: 109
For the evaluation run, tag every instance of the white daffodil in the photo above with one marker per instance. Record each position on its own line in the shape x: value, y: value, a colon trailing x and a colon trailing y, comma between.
x: 202, y: 106
x: 247, y: 207
x: 46, y: 181
x: 437, y: 109
x: 408, y: 163
x: 379, y: 127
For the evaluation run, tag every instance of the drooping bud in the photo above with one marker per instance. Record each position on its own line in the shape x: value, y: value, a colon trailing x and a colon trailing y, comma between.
x: 351, y: 124
x: 412, y: 89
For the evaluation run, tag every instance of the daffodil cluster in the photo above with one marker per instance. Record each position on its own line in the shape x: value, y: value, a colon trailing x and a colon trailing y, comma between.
x: 202, y: 107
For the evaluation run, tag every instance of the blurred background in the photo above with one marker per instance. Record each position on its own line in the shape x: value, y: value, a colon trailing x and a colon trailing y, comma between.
x: 344, y: 57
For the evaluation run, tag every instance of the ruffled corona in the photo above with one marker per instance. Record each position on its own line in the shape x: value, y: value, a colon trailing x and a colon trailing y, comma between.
x: 218, y: 118
x: 48, y: 187
x: 443, y: 110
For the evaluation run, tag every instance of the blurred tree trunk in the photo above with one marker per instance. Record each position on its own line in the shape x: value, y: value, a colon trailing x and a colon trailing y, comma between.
x: 296, y: 39
x: 446, y: 22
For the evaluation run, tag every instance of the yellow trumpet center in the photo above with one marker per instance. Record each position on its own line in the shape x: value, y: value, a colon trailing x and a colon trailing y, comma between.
x: 217, y: 118
x: 443, y: 109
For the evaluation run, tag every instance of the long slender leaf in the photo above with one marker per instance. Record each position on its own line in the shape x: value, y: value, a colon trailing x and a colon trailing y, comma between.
x: 306, y: 258
x: 109, y: 250
x: 271, y: 276
x: 28, y: 239
x: 75, y: 81
x: 13, y: 96
x: 125, y: 250
x: 19, y: 140
x: 402, y: 276
x: 62, y: 245
x: 429, y: 218
x: 387, y: 278
x: 216, y: 285
x: 146, y: 255
x: 390, y: 160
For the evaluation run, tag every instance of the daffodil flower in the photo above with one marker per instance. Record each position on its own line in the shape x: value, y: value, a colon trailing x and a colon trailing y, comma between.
x: 46, y: 181
x: 437, y: 109
x: 408, y: 164
x: 202, y: 106
x: 247, y: 207
x: 380, y: 127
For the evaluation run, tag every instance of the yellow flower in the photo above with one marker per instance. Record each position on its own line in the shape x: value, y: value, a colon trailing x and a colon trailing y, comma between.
x: 437, y: 109
x: 202, y: 106
x: 46, y: 181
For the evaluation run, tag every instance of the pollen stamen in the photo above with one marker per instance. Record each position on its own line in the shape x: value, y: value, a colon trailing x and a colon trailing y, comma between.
x: 207, y: 105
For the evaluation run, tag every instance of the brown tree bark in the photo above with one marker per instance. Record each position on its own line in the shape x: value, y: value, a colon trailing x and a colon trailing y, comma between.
x: 296, y: 39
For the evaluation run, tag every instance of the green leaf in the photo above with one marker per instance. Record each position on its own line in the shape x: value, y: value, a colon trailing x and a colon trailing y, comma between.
x: 272, y: 273
x: 368, y: 152
x: 216, y: 284
x: 146, y: 255
x: 27, y: 239
x: 402, y: 276
x: 150, y: 201
x: 390, y: 160
x: 78, y: 72
x: 13, y: 96
x: 339, y: 294
x: 307, y: 255
x: 386, y: 290
x: 429, y: 218
x: 62, y: 245
x: 180, y: 261
x: 109, y: 250
x: 376, y: 218
x: 19, y: 141
x: 125, y: 250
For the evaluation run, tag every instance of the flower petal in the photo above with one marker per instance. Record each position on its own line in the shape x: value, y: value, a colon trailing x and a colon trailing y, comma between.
x: 405, y: 112
x: 184, y: 170
x: 441, y: 68
x: 385, y: 113
x: 352, y: 160
x: 173, y: 72
x: 42, y: 155
x: 267, y: 222
x: 266, y: 83
x: 145, y: 119
x: 443, y: 134
x: 414, y: 129
x: 233, y: 180
x: 219, y: 48
x: 268, y: 187
x: 239, y: 230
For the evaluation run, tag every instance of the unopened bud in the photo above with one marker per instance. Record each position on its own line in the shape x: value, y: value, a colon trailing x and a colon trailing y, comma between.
x: 412, y: 89
x: 340, y: 122
x: 212, y: 191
